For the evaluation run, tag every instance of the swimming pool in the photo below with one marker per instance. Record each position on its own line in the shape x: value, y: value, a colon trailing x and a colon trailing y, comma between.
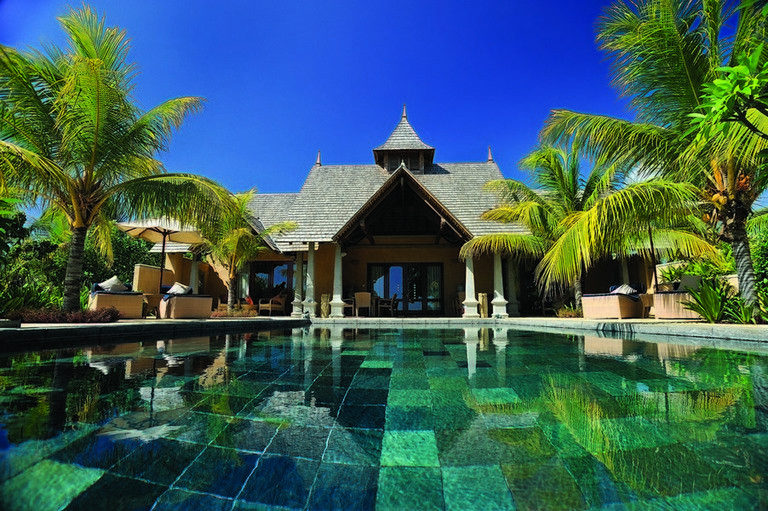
x: 338, y: 418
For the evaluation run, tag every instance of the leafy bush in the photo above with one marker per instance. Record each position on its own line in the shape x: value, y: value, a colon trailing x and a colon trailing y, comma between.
x: 101, y: 315
x: 737, y: 311
x: 237, y: 313
x: 711, y: 299
x: 569, y: 311
x: 759, y: 248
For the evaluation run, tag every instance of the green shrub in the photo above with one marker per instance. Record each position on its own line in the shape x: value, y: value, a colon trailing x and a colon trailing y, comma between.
x: 711, y: 299
x: 101, y: 315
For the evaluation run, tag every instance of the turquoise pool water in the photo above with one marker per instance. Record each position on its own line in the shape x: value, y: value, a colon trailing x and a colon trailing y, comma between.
x: 384, y: 419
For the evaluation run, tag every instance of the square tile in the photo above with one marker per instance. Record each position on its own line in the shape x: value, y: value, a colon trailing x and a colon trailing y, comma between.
x: 113, y: 492
x: 344, y: 487
x: 248, y: 435
x: 409, y: 449
x: 545, y: 484
x: 198, y: 427
x: 175, y: 499
x: 300, y: 441
x: 218, y: 471
x: 160, y: 461
x: 410, y: 488
x: 48, y: 485
x: 362, y: 416
x: 481, y: 488
x: 279, y: 481
x: 352, y: 446
x: 409, y: 418
x: 366, y: 397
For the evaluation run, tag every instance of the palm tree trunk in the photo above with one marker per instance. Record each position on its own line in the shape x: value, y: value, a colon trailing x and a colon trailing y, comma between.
x: 74, y: 274
x: 231, y: 289
x: 742, y: 255
x: 577, y: 292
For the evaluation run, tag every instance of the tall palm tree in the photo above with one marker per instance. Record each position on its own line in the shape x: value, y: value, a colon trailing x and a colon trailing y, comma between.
x: 575, y: 220
x: 233, y: 241
x: 71, y: 136
x: 663, y: 53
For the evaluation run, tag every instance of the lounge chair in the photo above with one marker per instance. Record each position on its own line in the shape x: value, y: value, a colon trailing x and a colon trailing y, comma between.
x: 130, y: 304
x: 612, y: 305
x: 274, y: 304
x: 179, y: 303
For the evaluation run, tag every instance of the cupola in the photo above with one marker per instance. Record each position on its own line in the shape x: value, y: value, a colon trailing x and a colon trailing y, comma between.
x: 404, y: 147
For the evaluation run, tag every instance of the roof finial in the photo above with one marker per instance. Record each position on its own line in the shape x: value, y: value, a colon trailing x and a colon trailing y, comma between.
x: 318, y: 158
x: 490, y: 156
x: 405, y: 115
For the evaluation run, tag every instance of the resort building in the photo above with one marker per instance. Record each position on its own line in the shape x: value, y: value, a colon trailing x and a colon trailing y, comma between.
x: 392, y: 228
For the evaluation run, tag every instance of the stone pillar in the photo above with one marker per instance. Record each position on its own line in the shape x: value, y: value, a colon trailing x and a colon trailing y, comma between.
x: 499, y: 303
x: 470, y: 301
x: 513, y: 305
x: 337, y: 304
x: 193, y: 274
x: 298, y: 285
x: 309, y: 301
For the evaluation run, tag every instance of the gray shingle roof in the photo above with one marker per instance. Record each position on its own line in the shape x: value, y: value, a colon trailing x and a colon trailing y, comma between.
x: 332, y: 194
x: 403, y: 137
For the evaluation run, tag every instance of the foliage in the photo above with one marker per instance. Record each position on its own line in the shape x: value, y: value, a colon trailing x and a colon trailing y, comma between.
x: 47, y: 315
x: 759, y: 244
x: 73, y: 140
x: 711, y: 299
x: 569, y: 311
x: 663, y: 53
x: 235, y: 313
x: 737, y: 311
x: 233, y: 241
x: 718, y: 264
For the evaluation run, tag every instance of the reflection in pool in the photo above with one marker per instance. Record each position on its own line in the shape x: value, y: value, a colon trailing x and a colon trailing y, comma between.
x: 384, y: 419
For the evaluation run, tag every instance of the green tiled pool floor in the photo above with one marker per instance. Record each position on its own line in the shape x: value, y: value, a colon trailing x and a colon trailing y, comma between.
x: 385, y: 419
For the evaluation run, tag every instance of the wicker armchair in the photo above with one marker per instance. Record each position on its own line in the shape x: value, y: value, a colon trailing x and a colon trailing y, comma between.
x: 274, y: 304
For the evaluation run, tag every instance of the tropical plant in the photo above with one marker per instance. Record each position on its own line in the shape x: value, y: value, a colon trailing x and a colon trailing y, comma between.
x: 233, y: 241
x: 73, y: 140
x: 711, y: 299
x: 663, y: 54
x: 574, y: 221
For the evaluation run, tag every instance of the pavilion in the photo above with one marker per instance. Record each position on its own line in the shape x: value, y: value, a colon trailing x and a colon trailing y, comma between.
x: 393, y: 227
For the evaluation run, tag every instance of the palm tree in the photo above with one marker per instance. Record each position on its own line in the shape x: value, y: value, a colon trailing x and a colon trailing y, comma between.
x: 72, y: 138
x: 574, y: 220
x: 663, y: 53
x: 232, y: 242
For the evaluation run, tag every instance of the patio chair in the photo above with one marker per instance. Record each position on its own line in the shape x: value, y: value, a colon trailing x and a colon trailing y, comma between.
x: 349, y: 303
x: 621, y: 303
x: 388, y: 303
x: 130, y: 304
x: 363, y: 301
x: 274, y: 304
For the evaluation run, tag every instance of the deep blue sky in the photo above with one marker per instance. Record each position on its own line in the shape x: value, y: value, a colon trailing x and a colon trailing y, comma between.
x: 287, y: 78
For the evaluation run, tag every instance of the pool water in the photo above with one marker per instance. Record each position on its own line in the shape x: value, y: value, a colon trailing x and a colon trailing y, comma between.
x: 384, y: 419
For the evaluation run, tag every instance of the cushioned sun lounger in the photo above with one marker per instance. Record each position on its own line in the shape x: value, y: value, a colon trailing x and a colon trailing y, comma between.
x: 611, y: 305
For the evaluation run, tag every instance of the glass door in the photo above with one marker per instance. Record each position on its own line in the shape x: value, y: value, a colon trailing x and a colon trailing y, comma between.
x: 418, y: 286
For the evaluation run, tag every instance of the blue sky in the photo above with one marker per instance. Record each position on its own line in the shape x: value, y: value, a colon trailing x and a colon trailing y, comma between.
x: 285, y: 79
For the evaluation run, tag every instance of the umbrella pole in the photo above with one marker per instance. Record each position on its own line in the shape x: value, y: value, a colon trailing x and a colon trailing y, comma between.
x: 653, y: 260
x: 162, y: 266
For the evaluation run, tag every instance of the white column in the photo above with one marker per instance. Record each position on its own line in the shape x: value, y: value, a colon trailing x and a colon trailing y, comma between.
x: 499, y: 303
x: 309, y: 301
x: 470, y: 301
x: 337, y: 304
x: 500, y: 343
x: 298, y: 285
x: 513, y: 305
x: 470, y: 339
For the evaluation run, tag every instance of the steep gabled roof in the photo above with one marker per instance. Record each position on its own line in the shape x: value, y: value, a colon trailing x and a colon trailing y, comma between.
x: 333, y: 194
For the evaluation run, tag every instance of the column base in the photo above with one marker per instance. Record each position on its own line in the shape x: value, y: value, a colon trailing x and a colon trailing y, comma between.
x: 337, y: 309
x: 470, y: 309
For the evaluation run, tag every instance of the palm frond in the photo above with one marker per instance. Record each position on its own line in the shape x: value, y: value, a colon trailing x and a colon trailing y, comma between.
x: 514, y: 245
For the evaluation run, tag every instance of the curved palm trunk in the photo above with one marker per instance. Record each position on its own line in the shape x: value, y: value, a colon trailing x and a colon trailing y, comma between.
x: 742, y: 255
x: 74, y: 273
x: 577, y: 292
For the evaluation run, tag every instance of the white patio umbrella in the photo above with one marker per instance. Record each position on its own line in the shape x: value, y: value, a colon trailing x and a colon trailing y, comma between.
x: 161, y: 230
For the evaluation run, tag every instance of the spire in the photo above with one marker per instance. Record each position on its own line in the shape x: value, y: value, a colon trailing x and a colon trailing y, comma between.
x: 405, y: 115
x: 490, y: 156
x: 318, y: 159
